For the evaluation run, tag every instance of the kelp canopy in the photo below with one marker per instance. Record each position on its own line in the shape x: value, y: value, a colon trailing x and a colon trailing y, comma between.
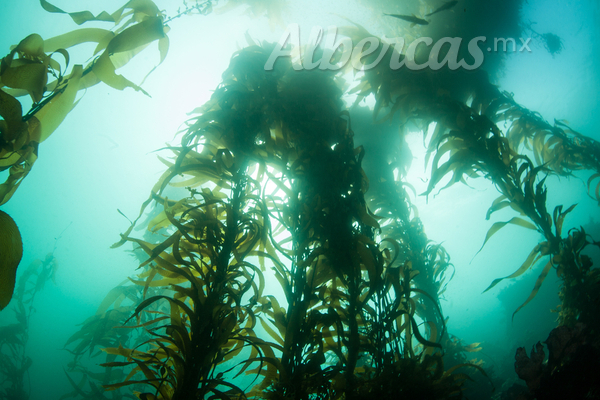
x: 285, y: 260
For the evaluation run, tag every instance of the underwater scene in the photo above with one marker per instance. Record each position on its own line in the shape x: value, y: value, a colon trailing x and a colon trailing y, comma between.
x: 299, y: 199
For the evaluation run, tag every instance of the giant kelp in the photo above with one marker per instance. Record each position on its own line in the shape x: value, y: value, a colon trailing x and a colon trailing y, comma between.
x: 465, y: 109
x: 27, y: 69
x: 52, y: 101
x: 259, y: 149
x: 359, y: 315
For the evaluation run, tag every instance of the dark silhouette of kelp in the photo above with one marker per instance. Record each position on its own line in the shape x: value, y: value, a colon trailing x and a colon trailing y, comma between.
x: 14, y: 360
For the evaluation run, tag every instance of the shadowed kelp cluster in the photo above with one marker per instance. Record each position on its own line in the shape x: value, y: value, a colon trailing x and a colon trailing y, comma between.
x: 348, y: 275
x: 283, y: 258
x: 465, y: 109
x: 349, y: 326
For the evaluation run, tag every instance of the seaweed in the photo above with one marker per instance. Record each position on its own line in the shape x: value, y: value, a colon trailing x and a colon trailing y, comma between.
x: 476, y: 147
x: 353, y: 307
x: 52, y: 101
x: 15, y: 362
x: 10, y: 257
x: 275, y: 182
x: 28, y: 74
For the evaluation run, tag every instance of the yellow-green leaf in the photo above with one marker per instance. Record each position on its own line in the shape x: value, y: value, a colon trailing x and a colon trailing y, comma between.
x: 77, y: 36
x: 499, y: 225
x: 79, y: 17
x: 531, y: 259
x: 53, y: 113
x: 536, y: 287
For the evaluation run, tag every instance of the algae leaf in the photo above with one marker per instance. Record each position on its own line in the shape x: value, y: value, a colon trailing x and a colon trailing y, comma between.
x: 538, y: 251
x: 80, y: 17
x: 11, y: 251
x: 131, y: 38
x: 536, y: 287
x: 56, y: 110
x: 21, y: 134
x: 499, y: 225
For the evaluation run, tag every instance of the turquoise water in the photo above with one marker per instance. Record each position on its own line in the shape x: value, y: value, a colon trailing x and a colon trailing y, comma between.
x: 102, y: 159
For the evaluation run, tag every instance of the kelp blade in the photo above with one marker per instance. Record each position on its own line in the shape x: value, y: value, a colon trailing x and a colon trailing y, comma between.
x: 11, y: 251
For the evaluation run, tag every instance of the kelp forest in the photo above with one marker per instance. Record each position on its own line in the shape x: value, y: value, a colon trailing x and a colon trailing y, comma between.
x: 280, y: 253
